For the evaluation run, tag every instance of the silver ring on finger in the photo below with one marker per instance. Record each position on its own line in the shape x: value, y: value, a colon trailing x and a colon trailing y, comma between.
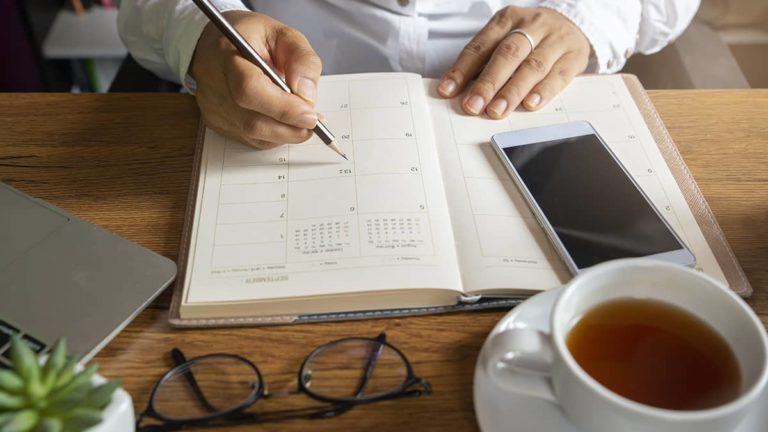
x: 525, y: 34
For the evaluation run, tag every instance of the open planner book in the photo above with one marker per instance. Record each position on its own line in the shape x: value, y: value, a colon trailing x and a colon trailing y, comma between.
x: 422, y: 215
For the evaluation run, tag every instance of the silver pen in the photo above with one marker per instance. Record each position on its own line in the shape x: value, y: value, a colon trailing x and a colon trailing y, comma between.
x: 247, y: 51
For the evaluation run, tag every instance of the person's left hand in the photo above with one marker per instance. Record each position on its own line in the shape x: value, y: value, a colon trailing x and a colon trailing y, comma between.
x: 510, y: 73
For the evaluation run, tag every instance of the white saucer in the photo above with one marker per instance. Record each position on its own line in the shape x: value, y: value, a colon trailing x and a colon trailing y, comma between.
x: 501, y: 411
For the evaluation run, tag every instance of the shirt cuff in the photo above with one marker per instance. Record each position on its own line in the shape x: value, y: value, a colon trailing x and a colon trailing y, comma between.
x: 186, y: 28
x: 611, y: 27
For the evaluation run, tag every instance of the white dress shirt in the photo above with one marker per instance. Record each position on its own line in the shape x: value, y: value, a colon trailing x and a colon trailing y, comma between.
x: 421, y: 36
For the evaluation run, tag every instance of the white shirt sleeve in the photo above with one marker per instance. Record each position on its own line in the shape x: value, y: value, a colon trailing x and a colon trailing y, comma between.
x: 162, y: 34
x: 618, y: 29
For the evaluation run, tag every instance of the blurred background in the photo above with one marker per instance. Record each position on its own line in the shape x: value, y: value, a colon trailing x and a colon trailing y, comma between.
x: 47, y: 45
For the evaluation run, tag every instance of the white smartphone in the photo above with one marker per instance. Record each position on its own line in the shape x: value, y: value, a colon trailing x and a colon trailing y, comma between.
x: 590, y: 207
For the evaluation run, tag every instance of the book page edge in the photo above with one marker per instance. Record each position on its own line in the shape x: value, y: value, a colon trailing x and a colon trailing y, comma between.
x: 709, y: 226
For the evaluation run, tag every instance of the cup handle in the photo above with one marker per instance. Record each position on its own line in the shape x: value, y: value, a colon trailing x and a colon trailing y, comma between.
x: 520, y: 360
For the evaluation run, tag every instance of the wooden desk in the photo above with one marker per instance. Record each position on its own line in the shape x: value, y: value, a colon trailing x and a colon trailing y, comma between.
x: 123, y: 162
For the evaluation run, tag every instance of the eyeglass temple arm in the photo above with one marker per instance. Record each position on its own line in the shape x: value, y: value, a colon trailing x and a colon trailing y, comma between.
x: 372, y: 359
x: 178, y: 360
x: 320, y: 412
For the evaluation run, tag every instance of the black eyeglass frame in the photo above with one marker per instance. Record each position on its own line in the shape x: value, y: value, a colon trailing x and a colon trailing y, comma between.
x: 238, y: 414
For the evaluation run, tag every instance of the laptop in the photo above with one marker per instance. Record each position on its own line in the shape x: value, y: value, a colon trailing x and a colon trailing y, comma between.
x: 62, y: 277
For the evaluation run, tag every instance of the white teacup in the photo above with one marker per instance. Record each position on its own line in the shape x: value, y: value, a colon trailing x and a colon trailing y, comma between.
x: 527, y: 361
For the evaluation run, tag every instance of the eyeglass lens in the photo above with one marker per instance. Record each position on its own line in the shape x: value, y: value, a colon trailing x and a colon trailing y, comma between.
x: 355, y: 369
x: 204, y: 387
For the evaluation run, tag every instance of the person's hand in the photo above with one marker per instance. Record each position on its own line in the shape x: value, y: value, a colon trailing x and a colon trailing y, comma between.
x: 238, y: 100
x: 508, y: 72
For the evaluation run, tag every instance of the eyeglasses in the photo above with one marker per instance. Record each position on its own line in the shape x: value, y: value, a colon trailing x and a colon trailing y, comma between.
x: 217, y: 389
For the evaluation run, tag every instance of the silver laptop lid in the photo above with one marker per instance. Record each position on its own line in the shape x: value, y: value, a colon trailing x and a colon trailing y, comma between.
x: 63, y: 277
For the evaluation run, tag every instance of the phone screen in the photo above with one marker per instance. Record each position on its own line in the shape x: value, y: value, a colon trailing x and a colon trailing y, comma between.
x: 591, y: 203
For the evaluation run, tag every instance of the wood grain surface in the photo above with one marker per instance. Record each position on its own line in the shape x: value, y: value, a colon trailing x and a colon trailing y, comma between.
x: 124, y: 163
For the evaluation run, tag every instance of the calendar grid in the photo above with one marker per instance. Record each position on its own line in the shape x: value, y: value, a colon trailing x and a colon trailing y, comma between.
x: 316, y: 199
x: 504, y: 232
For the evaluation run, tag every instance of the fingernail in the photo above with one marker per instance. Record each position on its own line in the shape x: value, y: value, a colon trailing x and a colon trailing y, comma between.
x: 475, y: 104
x: 533, y: 100
x: 307, y: 121
x: 498, y: 107
x: 307, y: 89
x: 321, y: 117
x: 447, y: 87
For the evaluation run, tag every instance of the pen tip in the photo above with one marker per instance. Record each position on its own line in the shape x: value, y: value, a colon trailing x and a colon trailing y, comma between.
x: 336, y: 148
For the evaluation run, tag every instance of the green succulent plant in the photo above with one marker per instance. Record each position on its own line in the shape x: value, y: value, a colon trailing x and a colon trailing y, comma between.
x: 50, y: 398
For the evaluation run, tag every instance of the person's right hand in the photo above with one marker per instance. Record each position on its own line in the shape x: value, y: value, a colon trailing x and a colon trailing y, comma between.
x: 238, y: 100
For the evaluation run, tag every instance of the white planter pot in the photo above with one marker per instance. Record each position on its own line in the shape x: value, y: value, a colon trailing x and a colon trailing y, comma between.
x: 118, y: 415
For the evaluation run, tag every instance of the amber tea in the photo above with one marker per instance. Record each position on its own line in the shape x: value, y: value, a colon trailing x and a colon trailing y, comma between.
x: 656, y: 354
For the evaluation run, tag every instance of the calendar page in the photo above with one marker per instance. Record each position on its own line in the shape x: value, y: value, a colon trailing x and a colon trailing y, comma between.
x: 500, y: 242
x: 422, y: 212
x: 299, y: 220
